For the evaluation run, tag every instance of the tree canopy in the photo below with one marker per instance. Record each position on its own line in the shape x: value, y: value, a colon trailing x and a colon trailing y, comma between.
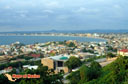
x: 47, y: 76
x: 86, y: 73
x: 110, y: 55
x: 114, y: 73
x: 73, y: 62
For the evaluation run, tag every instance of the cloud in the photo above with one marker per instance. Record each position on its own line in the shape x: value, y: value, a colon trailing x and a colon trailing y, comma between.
x: 42, y: 16
x: 63, y: 12
x: 62, y: 17
x: 117, y: 6
x: 22, y: 11
x: 52, y: 4
x: 7, y: 7
x: 22, y: 15
x: 48, y: 11
x: 86, y: 10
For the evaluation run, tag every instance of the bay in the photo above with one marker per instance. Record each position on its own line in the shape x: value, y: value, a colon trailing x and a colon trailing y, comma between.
x: 6, y: 40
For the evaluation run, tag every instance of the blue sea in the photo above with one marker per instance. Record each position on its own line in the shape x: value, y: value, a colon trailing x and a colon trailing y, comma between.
x: 6, y: 40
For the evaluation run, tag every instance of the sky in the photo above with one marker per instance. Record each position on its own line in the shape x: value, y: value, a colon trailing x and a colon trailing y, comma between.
x: 41, y: 15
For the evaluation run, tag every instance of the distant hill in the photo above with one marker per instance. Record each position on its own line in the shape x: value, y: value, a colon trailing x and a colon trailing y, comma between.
x: 69, y: 31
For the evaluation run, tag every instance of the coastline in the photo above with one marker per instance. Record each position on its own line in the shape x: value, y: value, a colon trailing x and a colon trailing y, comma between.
x: 61, y: 36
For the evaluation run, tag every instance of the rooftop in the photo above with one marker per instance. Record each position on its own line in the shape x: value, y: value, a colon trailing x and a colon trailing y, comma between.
x: 124, y: 50
x: 60, y: 57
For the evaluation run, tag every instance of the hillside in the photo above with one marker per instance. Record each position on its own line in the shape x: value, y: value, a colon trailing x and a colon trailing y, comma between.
x: 114, y: 73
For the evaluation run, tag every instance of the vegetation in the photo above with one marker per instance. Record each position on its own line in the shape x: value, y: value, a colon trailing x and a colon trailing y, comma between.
x: 1, y: 54
x: 85, y: 50
x: 110, y: 55
x: 85, y: 73
x: 62, y: 42
x: 110, y: 48
x: 71, y: 44
x: 19, y: 64
x: 93, y: 58
x: 46, y: 77
x: 73, y: 62
x: 22, y: 57
x: 52, y: 54
x: 114, y: 73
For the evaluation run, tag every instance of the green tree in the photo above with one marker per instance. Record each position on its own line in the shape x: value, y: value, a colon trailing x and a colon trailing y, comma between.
x: 110, y: 55
x: 84, y: 75
x: 71, y: 44
x: 95, y: 70
x: 74, y: 77
x: 84, y: 50
x: 47, y: 76
x: 73, y: 62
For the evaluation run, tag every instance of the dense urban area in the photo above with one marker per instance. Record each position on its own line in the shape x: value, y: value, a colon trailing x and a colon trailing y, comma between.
x: 69, y: 61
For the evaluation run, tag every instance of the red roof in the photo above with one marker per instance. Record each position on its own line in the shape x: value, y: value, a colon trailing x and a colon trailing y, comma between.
x: 8, y: 68
x: 35, y: 55
x: 124, y: 50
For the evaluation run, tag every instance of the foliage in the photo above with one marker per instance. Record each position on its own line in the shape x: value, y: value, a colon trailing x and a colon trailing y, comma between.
x: 93, y: 58
x: 110, y: 55
x: 3, y: 79
x: 19, y: 64
x: 47, y: 76
x: 52, y: 54
x: 114, y: 73
x: 73, y: 62
x: 85, y: 50
x: 22, y: 57
x: 74, y: 77
x: 62, y: 42
x: 85, y: 73
x: 1, y: 53
x: 71, y: 44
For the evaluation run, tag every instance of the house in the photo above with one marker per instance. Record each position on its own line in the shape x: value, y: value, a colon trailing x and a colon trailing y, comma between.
x: 6, y: 70
x: 30, y: 67
x: 56, y: 63
x: 85, y: 55
x: 35, y: 55
x: 123, y: 52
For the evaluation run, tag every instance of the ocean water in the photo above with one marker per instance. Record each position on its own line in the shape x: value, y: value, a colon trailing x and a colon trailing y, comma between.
x: 6, y: 40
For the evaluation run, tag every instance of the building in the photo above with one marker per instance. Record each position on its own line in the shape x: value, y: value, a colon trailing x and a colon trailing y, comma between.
x: 56, y: 63
x: 35, y: 55
x: 30, y: 67
x: 6, y: 70
x: 85, y: 55
x: 123, y: 52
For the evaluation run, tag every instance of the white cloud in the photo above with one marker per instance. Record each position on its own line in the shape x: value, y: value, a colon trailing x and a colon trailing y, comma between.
x: 22, y: 11
x: 22, y: 15
x: 86, y: 10
x: 42, y: 16
x: 48, y: 11
x: 68, y: 11
x: 7, y: 7
x: 81, y: 9
x: 117, y: 6
x: 52, y: 4
x: 62, y: 17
